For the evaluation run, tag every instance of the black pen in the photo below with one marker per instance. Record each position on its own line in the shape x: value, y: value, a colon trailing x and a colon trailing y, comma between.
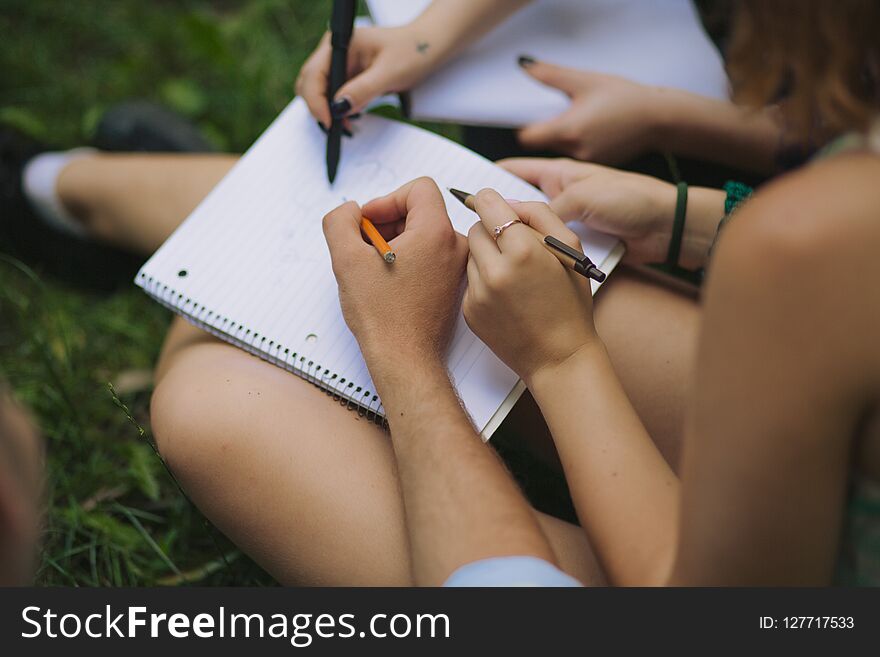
x: 571, y: 258
x: 341, y: 28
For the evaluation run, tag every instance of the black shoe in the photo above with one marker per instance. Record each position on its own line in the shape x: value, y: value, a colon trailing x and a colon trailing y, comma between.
x: 142, y: 126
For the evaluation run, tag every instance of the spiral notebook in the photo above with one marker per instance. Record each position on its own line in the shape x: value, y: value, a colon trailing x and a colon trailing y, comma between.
x: 657, y: 42
x: 251, y: 266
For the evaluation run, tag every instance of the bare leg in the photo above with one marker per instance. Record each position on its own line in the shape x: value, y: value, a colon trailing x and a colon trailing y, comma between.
x: 303, y: 485
x: 309, y: 489
x: 651, y: 335
x: 135, y: 201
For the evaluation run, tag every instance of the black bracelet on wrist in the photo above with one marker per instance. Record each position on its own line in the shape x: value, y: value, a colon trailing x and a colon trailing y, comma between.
x: 674, y: 251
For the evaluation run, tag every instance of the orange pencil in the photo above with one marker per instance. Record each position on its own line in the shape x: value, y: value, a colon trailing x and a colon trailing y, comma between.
x: 377, y: 240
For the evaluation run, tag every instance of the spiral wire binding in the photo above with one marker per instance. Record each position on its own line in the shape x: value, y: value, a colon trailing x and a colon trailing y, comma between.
x: 354, y: 398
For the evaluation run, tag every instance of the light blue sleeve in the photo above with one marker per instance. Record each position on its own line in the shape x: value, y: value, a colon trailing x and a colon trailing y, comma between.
x: 510, y: 571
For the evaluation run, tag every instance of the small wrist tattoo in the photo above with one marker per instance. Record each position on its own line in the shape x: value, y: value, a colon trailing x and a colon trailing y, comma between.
x: 422, y: 46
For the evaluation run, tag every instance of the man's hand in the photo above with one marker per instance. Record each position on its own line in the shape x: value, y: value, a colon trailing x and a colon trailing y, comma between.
x: 407, y: 309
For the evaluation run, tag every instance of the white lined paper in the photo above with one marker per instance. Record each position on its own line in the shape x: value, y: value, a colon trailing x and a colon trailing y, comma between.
x: 258, y: 270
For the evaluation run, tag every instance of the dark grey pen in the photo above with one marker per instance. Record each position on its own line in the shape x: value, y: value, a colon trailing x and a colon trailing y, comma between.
x: 571, y: 258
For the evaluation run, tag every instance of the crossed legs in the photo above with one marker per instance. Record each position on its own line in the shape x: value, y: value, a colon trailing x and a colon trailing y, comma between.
x: 304, y: 486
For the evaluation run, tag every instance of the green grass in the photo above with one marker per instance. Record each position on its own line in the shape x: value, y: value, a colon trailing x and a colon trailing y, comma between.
x: 114, y: 515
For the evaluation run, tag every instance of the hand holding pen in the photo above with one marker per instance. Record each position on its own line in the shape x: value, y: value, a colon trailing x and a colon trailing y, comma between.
x: 341, y: 28
x: 568, y: 255
x: 531, y: 312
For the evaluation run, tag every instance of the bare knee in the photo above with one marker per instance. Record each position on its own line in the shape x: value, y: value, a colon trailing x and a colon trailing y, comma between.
x: 186, y: 411
x: 172, y: 411
x: 180, y: 406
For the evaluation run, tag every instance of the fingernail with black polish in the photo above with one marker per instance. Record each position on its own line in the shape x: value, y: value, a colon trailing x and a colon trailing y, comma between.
x: 323, y: 127
x: 339, y: 108
x: 352, y: 117
x: 347, y: 132
x: 525, y: 61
